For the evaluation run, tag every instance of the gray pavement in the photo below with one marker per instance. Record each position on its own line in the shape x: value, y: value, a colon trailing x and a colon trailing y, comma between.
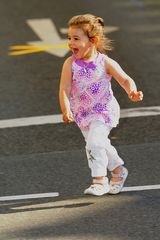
x: 67, y: 171
x: 129, y: 215
x: 51, y: 158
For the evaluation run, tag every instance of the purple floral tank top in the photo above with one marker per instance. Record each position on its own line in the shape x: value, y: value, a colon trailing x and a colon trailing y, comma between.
x: 91, y: 94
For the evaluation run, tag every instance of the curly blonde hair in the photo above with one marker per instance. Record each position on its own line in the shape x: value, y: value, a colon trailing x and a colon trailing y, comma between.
x: 93, y: 27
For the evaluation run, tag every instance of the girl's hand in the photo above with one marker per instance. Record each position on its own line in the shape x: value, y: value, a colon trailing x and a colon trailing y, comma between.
x: 136, y: 96
x: 68, y: 117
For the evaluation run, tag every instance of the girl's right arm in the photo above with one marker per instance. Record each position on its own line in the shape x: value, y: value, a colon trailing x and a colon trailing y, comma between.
x: 65, y: 89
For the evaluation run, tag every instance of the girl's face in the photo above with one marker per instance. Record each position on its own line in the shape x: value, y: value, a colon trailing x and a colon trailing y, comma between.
x: 79, y: 43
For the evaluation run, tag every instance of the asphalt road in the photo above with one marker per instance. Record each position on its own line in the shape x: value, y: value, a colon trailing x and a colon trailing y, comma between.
x: 51, y: 158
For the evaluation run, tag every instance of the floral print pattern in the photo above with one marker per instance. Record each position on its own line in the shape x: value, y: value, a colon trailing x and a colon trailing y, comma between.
x: 91, y: 94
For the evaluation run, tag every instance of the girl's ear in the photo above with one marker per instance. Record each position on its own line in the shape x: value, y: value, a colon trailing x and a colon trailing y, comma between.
x: 94, y: 40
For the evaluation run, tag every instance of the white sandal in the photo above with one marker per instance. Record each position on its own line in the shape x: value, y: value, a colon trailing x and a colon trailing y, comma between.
x: 98, y: 188
x: 116, y: 187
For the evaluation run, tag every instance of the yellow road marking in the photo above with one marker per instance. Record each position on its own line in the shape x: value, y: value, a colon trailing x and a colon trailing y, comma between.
x: 26, y: 49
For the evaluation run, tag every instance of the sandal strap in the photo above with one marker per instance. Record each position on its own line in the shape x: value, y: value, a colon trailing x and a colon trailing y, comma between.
x: 99, y: 181
x: 116, y: 183
x: 118, y: 175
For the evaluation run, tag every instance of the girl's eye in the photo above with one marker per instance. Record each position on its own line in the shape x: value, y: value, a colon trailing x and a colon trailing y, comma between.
x: 75, y: 38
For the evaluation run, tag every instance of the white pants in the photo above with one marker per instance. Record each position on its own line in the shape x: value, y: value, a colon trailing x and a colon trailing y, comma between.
x: 100, y: 153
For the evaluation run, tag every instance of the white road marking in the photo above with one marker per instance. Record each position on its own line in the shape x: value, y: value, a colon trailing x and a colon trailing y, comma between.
x: 140, y: 112
x: 29, y: 196
x: 29, y: 121
x: 56, y: 194
x: 141, y: 188
x: 47, y: 32
x: 57, y: 118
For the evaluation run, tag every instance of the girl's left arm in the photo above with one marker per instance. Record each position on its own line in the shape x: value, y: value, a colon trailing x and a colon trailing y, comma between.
x: 125, y: 81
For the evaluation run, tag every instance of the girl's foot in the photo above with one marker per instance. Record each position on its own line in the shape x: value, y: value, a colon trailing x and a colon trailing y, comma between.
x: 98, y: 188
x: 118, y: 180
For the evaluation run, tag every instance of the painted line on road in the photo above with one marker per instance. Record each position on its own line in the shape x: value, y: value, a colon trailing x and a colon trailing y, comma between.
x: 29, y: 196
x: 56, y: 194
x: 140, y: 112
x: 28, y: 121
x: 141, y: 188
x: 22, y: 49
x: 57, y: 118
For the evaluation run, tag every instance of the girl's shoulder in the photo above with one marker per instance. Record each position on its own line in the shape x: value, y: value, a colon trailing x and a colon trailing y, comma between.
x: 68, y: 61
x: 103, y: 58
x: 107, y: 60
x: 67, y: 65
x: 108, y: 63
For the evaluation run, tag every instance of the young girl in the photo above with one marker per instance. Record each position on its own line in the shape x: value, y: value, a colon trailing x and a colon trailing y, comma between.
x: 87, y: 98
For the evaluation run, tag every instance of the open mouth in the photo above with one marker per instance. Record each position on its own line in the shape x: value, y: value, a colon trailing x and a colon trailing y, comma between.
x: 75, y: 50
